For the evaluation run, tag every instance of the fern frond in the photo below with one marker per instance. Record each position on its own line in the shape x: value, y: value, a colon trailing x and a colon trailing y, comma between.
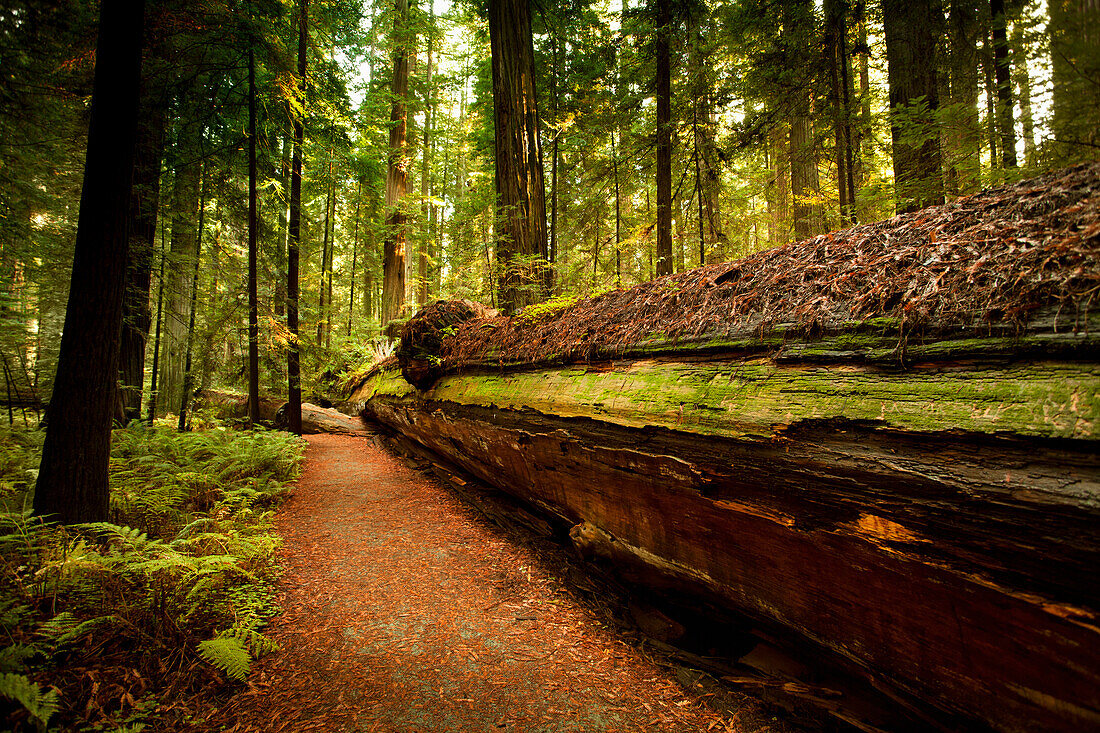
x: 14, y: 658
x: 41, y: 705
x: 227, y: 654
x: 256, y: 643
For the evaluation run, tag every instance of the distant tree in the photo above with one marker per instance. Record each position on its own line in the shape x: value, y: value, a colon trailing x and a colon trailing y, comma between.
x: 913, y: 29
x: 663, y: 92
x: 72, y: 480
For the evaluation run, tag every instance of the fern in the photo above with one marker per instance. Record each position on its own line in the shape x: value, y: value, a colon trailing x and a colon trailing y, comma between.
x: 41, y: 705
x: 15, y: 657
x: 227, y: 654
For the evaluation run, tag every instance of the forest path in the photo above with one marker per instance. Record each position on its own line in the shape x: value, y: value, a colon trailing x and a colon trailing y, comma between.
x: 405, y: 610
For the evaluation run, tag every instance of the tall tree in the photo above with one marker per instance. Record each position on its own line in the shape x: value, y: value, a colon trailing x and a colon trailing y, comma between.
x: 663, y: 91
x: 425, y: 167
x: 72, y: 481
x: 253, y: 298
x: 799, y: 37
x: 913, y: 29
x: 1006, y: 125
x: 521, y: 220
x: 393, y: 246
x: 294, y: 237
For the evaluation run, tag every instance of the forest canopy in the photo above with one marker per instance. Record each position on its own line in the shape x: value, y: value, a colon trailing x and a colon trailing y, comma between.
x: 390, y: 170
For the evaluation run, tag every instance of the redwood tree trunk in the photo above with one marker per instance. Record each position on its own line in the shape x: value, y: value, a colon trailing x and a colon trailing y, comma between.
x: 294, y: 235
x: 912, y: 31
x: 72, y: 481
x: 521, y: 213
x: 253, y: 300
x: 393, y: 247
x: 664, y: 141
x: 144, y: 203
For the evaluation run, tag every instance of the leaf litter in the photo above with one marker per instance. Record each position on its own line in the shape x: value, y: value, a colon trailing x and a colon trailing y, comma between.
x: 405, y: 610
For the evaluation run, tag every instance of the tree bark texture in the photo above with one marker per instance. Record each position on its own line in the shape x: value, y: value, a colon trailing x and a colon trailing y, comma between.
x: 393, y: 246
x: 253, y: 223
x: 663, y: 91
x: 912, y: 30
x: 425, y: 174
x: 851, y: 510
x: 72, y: 483
x: 1006, y: 124
x: 798, y: 30
x: 962, y: 154
x: 521, y: 208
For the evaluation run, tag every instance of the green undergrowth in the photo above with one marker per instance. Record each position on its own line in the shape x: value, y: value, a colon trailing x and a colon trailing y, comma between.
x: 116, y: 626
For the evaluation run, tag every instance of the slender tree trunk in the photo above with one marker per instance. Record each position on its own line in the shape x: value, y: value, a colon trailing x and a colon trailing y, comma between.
x: 1006, y: 125
x: 912, y: 31
x: 253, y: 298
x: 664, y: 139
x: 990, y: 105
x: 425, y: 166
x: 284, y: 229
x: 521, y: 221
x: 354, y: 254
x: 185, y: 390
x: 393, y: 259
x: 156, y: 340
x: 552, y: 249
x: 618, y: 213
x: 962, y: 156
x: 72, y: 484
x: 326, y: 255
x: 144, y: 203
x: 1023, y: 86
x: 182, y: 247
x: 294, y: 237
x: 798, y: 28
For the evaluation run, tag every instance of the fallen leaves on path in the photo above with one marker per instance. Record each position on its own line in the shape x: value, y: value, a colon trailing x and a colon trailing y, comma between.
x: 406, y: 611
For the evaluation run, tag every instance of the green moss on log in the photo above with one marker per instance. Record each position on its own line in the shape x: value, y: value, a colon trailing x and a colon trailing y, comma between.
x: 757, y: 398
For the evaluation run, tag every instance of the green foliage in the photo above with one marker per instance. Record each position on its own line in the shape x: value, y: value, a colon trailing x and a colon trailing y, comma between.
x: 183, y: 571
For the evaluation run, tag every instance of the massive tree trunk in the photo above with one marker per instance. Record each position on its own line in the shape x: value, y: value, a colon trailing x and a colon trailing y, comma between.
x: 72, y: 483
x: 393, y: 247
x: 663, y: 91
x: 294, y: 237
x: 912, y: 32
x: 144, y: 205
x: 899, y: 489
x: 521, y: 209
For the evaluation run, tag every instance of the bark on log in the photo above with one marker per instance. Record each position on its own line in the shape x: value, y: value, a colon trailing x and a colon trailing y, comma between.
x: 323, y: 420
x: 928, y: 521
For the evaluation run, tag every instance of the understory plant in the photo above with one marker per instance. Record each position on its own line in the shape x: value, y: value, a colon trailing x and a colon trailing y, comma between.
x: 112, y: 625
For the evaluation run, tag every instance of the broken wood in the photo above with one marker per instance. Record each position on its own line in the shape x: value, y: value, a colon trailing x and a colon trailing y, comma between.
x: 323, y: 420
x: 913, y: 499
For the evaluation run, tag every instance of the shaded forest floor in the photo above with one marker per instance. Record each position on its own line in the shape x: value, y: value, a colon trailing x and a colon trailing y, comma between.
x: 406, y: 610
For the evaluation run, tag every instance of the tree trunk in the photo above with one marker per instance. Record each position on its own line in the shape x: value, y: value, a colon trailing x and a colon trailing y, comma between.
x: 72, y: 484
x: 1023, y: 85
x: 393, y: 256
x: 188, y: 380
x: 182, y: 247
x: 324, y: 297
x: 663, y: 93
x: 354, y: 253
x: 284, y: 229
x: 521, y: 219
x: 913, y: 29
x: 962, y: 156
x: 798, y: 30
x: 294, y: 237
x: 1006, y: 125
x: 425, y: 169
x: 144, y: 204
x: 253, y: 298
x: 156, y: 339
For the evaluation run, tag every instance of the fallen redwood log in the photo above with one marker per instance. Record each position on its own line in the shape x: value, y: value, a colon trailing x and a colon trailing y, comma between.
x: 879, y: 444
x: 322, y: 420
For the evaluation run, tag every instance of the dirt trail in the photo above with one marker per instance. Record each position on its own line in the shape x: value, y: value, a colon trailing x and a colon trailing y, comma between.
x: 406, y: 611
